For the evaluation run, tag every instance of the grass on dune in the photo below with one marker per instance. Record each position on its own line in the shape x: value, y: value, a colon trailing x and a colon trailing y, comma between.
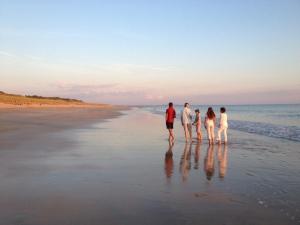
x: 39, y: 100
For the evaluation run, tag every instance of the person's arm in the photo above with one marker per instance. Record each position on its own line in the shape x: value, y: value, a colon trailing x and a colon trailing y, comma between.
x: 205, y: 122
x: 181, y: 117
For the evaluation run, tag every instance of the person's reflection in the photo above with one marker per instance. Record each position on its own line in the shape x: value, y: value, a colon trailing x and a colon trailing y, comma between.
x: 197, y: 155
x: 209, y: 166
x: 222, y: 158
x: 185, y: 162
x: 169, y: 165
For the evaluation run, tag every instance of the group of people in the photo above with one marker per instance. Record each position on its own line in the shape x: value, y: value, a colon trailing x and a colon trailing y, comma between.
x: 209, y: 123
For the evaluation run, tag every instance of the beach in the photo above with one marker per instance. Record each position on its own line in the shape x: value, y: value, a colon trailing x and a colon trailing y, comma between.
x: 109, y: 166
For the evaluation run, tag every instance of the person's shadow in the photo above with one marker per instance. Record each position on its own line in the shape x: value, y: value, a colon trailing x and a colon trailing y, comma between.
x: 169, y: 164
x: 222, y: 160
x: 185, y: 161
x: 209, y: 164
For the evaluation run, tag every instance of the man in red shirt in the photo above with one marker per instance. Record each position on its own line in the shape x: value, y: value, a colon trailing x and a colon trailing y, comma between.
x: 170, y: 116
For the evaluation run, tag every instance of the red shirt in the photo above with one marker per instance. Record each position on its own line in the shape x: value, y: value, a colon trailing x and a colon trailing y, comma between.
x: 171, y: 114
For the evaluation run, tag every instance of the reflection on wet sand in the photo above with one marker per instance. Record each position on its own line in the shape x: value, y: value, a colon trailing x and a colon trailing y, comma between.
x: 169, y: 165
x: 185, y: 161
x: 209, y: 165
x: 222, y: 159
x: 197, y: 155
x: 209, y: 161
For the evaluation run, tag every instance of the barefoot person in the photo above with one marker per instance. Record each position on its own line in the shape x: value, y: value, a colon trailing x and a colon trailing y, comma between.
x: 210, y: 121
x: 197, y: 123
x: 170, y: 116
x: 186, y: 121
x: 223, y: 125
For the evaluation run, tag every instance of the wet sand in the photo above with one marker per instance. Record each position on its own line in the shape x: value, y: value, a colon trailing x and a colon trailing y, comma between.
x: 64, y: 167
x: 20, y: 124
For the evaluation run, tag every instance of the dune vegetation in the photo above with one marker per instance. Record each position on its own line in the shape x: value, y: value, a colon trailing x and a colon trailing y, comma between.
x: 14, y: 99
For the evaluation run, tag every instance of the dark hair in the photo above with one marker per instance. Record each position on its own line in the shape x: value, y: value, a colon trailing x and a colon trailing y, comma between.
x: 210, y: 113
x: 170, y: 104
x: 197, y: 110
x: 185, y: 104
x: 222, y: 109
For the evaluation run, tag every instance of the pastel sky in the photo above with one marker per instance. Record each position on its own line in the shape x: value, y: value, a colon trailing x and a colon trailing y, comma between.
x: 152, y: 52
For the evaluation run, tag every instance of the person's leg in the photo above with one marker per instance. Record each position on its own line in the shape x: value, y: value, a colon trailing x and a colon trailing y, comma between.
x: 185, y: 127
x: 190, y: 131
x: 208, y: 134
x: 219, y: 135
x: 225, y: 134
x: 172, y: 135
x: 198, y: 132
x: 212, y: 133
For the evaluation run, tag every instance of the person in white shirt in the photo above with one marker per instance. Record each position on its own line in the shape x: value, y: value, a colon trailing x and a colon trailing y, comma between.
x: 186, y: 121
x: 223, y: 125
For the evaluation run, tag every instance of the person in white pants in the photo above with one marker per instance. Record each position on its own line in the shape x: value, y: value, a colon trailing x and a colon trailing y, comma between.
x: 223, y: 125
x: 210, y: 120
x: 186, y: 121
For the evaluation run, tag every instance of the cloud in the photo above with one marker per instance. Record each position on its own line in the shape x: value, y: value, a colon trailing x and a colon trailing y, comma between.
x: 4, y: 53
x: 83, y: 87
x: 26, y: 57
x: 109, y: 93
x: 251, y: 97
x: 154, y: 97
x: 127, y: 34
x: 34, y: 33
x: 92, y: 91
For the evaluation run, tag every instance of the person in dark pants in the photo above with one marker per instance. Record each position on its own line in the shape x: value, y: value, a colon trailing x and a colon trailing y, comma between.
x: 170, y: 116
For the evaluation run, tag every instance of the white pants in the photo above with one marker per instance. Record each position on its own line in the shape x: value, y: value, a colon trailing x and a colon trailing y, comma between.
x: 187, y: 130
x: 222, y: 129
x: 210, y: 131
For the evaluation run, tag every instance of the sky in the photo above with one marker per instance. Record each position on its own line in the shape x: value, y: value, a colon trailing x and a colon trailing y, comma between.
x: 152, y: 52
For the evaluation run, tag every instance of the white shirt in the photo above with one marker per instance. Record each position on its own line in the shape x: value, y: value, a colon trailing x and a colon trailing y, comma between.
x: 223, y: 120
x: 186, y: 116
